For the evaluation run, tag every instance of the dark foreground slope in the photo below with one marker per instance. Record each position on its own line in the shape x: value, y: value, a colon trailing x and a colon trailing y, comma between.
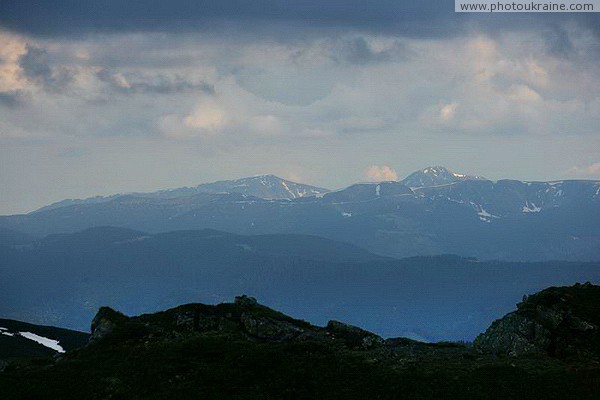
x: 20, y: 339
x: 247, y: 351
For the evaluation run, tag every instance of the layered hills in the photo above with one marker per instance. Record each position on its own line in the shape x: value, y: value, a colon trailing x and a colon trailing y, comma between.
x: 62, y: 279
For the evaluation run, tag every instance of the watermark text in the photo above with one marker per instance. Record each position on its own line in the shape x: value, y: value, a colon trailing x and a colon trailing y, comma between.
x: 491, y: 6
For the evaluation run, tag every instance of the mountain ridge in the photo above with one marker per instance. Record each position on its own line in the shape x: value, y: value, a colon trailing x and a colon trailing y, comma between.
x: 263, y: 186
x: 272, y: 187
x: 469, y: 216
x: 435, y: 176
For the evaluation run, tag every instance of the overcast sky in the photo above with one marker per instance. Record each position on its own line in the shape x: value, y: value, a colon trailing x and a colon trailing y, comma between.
x: 100, y: 97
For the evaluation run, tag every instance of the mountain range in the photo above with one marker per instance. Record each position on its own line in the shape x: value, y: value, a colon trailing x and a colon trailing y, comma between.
x: 261, y: 186
x: 433, y: 211
x: 436, y: 256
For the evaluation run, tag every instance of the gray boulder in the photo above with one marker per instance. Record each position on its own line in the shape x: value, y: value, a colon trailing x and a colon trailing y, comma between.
x: 559, y: 322
x: 353, y: 336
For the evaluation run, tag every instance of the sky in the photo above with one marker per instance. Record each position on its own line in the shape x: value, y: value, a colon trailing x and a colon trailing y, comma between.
x: 102, y: 97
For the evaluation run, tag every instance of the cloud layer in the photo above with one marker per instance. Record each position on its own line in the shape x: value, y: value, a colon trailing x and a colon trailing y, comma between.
x: 169, y: 107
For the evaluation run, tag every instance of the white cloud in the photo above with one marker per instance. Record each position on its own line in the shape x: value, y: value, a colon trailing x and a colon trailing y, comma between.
x: 380, y: 173
x: 208, y: 117
x: 121, y: 81
x: 588, y: 171
x: 266, y: 125
x: 12, y: 47
x: 447, y: 112
x: 522, y: 94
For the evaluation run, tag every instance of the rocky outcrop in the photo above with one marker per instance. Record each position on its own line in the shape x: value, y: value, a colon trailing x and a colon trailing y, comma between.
x: 105, y: 322
x: 268, y: 328
x: 353, y: 336
x: 245, y: 301
x: 244, y: 318
x: 558, y: 321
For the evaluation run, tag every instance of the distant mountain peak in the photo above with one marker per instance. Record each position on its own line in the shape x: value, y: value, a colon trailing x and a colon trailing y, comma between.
x: 436, y: 175
x: 269, y: 180
x: 263, y: 186
x: 265, y: 176
x: 435, y: 170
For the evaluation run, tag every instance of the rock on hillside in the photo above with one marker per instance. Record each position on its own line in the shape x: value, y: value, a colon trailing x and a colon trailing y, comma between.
x: 245, y: 317
x: 558, y: 321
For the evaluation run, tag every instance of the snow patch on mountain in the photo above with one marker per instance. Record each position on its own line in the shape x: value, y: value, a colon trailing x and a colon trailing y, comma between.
x: 5, y: 332
x: 50, y: 343
x: 288, y: 189
x: 483, y: 214
x: 44, y: 341
x: 246, y: 247
x: 531, y: 208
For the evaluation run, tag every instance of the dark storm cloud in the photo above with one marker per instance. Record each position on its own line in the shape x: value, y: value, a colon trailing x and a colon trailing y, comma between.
x: 165, y: 86
x: 12, y: 99
x: 36, y: 67
x: 358, y: 51
x: 34, y: 64
x: 159, y: 85
x: 558, y: 42
x: 66, y: 17
x: 410, y: 18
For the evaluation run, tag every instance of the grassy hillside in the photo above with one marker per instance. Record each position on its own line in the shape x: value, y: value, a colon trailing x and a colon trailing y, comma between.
x: 247, y: 351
